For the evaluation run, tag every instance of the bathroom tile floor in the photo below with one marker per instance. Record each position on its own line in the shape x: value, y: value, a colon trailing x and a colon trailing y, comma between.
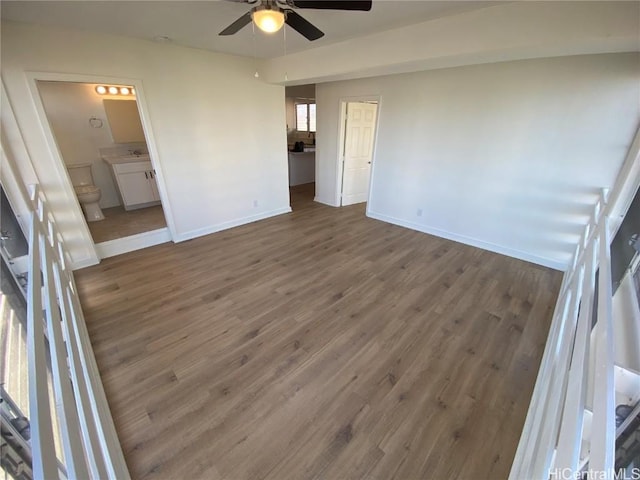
x: 121, y: 223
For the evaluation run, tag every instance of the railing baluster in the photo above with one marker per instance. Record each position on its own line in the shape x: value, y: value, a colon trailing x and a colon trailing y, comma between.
x: 45, y: 464
x: 110, y: 447
x: 89, y: 440
x: 524, y: 457
x: 551, y: 439
x: 88, y: 430
x: 603, y: 429
x: 558, y: 381
x: 68, y: 416
x: 569, y: 441
x: 85, y: 414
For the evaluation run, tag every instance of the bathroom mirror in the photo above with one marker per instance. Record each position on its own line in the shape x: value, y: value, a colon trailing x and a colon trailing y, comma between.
x: 124, y: 121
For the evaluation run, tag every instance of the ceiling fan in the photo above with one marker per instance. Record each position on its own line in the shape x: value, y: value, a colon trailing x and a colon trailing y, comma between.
x: 270, y: 15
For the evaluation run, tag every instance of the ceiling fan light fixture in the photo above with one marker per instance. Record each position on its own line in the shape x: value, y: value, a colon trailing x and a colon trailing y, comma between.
x: 268, y: 19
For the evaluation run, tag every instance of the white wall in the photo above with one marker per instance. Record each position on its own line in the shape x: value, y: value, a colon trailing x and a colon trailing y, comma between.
x: 213, y: 172
x: 290, y: 105
x: 69, y: 107
x: 503, y: 156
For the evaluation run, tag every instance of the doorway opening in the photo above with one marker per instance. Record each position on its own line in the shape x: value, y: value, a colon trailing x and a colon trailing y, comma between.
x: 103, y: 146
x: 301, y: 143
x: 357, y: 141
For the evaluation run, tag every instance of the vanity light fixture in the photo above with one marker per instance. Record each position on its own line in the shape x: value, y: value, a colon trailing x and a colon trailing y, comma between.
x: 115, y: 90
x: 269, y: 19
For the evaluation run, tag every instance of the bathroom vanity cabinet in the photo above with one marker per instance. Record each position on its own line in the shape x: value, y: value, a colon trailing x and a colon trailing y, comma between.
x: 136, y: 182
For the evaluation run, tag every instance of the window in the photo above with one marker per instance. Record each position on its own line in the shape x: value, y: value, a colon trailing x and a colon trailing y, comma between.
x: 306, y: 117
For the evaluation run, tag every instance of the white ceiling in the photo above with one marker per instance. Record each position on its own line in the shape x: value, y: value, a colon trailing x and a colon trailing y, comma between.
x: 197, y: 23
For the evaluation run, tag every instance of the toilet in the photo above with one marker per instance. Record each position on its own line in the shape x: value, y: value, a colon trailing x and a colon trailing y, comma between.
x: 88, y: 194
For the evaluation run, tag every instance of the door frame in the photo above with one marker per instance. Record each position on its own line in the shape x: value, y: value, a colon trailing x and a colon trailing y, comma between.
x: 125, y: 244
x: 342, y: 123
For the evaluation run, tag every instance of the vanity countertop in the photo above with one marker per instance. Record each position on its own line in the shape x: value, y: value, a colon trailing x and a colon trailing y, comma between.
x: 306, y: 150
x: 117, y: 159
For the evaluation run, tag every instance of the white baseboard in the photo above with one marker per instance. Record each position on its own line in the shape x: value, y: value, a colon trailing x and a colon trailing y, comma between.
x: 84, y: 263
x: 119, y: 246
x: 474, y: 242
x: 230, y: 224
x: 324, y: 202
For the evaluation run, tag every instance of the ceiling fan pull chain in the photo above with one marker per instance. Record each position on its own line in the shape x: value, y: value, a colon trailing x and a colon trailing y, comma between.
x: 284, y: 36
x: 255, y: 57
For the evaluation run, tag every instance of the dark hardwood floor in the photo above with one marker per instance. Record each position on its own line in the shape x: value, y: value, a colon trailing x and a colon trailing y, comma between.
x: 318, y: 344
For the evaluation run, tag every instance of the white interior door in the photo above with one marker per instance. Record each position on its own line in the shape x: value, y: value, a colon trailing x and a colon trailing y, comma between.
x: 358, y: 151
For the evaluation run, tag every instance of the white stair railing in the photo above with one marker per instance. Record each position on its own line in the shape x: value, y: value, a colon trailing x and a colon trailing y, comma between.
x: 551, y: 441
x: 56, y: 330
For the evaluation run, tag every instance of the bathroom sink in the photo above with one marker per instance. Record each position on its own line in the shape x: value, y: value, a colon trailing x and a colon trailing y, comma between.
x: 115, y: 159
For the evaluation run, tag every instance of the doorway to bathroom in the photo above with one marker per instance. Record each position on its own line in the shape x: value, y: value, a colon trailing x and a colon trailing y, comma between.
x: 101, y: 139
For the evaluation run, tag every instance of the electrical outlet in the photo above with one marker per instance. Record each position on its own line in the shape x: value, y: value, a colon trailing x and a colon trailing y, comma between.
x: 419, y: 212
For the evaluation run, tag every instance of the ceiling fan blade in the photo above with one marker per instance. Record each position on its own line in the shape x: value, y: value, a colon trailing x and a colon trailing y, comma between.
x: 302, y: 26
x: 364, y: 5
x: 237, y: 25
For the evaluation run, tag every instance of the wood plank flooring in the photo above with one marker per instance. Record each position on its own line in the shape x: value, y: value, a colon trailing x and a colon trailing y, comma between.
x: 318, y: 344
x: 120, y: 223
